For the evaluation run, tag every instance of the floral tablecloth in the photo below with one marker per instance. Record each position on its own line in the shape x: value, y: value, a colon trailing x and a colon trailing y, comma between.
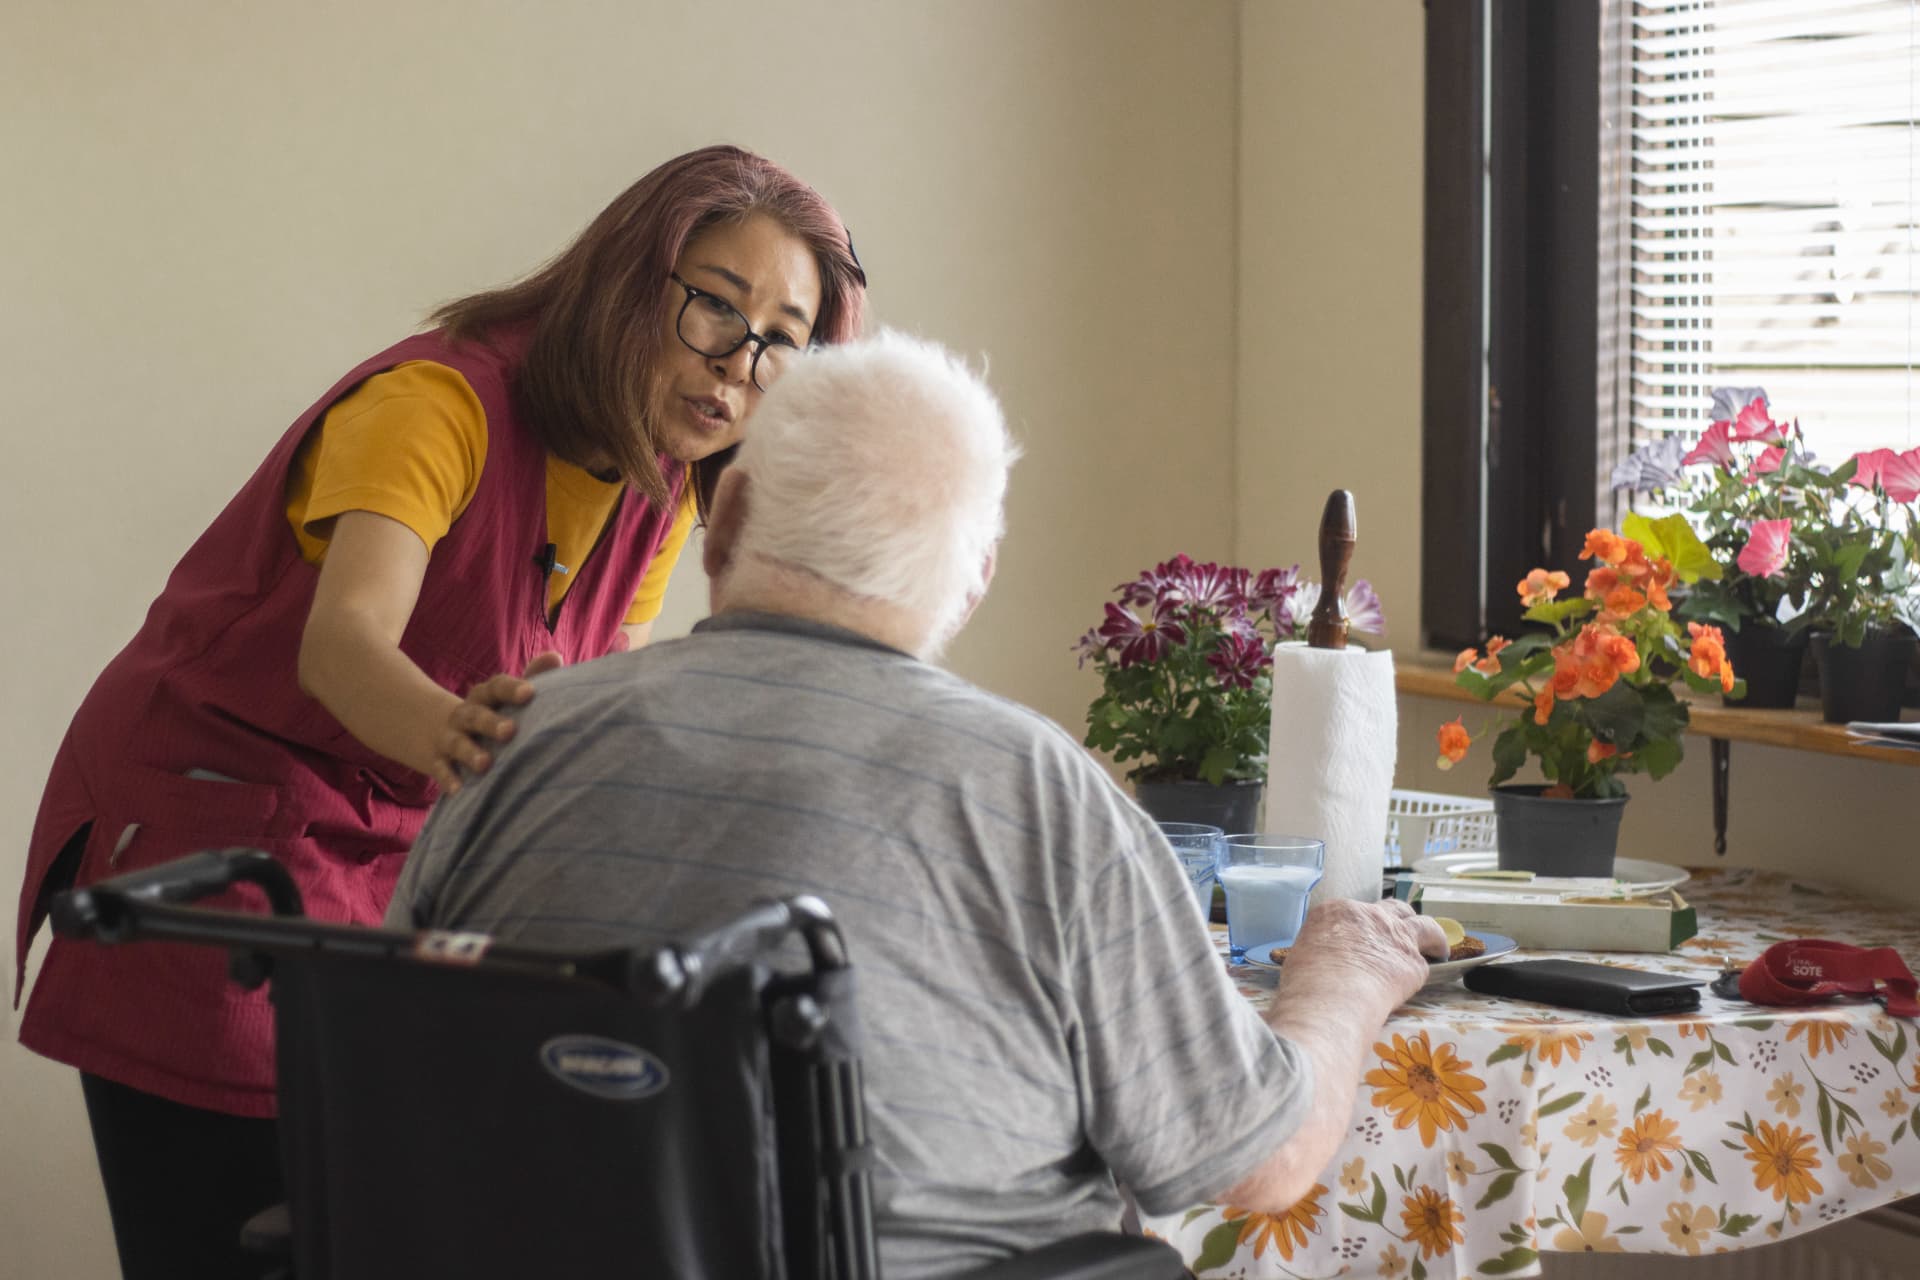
x: 1488, y: 1130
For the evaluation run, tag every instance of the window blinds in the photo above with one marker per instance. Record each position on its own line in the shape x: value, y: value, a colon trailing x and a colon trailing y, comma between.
x: 1769, y: 234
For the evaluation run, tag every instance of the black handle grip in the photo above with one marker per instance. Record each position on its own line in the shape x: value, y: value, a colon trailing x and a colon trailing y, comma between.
x: 760, y: 929
x: 110, y: 910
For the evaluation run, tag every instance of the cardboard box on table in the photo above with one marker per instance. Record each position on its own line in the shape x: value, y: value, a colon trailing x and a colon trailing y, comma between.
x: 1547, y: 921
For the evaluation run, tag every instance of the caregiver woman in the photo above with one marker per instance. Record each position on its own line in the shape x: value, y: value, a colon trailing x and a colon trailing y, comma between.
x: 516, y: 482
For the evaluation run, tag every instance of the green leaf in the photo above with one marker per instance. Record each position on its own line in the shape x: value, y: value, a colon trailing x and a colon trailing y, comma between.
x: 1661, y: 756
x: 1505, y: 1052
x: 1640, y: 1103
x: 1701, y: 1059
x: 1214, y: 765
x: 1400, y: 1176
x: 1218, y: 1248
x: 1673, y: 537
x: 1379, y: 1200
x: 1195, y: 1213
x: 1899, y: 1132
x: 1419, y: 1271
x: 1575, y: 1188
x: 1700, y: 1165
x: 1498, y: 1154
x: 1826, y: 1118
x: 1561, y: 1103
x: 1738, y: 1224
x: 1554, y: 611
x: 1509, y: 1262
x: 1724, y: 1053
x: 1660, y: 1047
x: 1498, y: 1189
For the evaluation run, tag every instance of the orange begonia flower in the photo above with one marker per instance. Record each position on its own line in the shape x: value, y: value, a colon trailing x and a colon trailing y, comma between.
x: 1605, y: 546
x: 1598, y: 751
x: 1464, y: 659
x: 1453, y: 743
x: 1543, y: 705
x: 1709, y: 657
x: 1490, y: 665
x: 1656, y: 585
x: 1601, y: 581
x: 1624, y: 601
x: 1540, y: 586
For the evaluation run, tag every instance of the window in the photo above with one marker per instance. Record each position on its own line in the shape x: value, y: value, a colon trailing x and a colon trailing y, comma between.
x: 1629, y: 203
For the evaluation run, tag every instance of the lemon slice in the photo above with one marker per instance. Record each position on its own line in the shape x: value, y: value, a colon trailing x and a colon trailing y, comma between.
x: 1451, y: 927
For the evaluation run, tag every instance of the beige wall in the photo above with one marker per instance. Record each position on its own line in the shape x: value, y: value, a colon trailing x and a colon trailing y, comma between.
x: 211, y: 209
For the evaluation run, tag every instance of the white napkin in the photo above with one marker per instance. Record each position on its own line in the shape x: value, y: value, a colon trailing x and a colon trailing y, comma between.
x: 1330, y: 760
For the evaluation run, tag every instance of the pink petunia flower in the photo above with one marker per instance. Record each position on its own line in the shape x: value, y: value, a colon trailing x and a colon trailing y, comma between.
x: 1769, y: 461
x: 1868, y: 465
x: 1766, y: 551
x: 1716, y: 446
x: 1753, y: 423
x: 1900, y: 476
x: 1139, y: 641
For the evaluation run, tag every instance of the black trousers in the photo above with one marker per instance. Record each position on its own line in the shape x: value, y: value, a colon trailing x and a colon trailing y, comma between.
x: 181, y: 1181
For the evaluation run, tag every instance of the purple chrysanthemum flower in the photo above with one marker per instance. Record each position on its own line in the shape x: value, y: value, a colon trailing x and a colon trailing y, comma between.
x: 1147, y: 589
x: 1274, y: 590
x: 1088, y: 646
x: 1207, y: 586
x: 1139, y: 641
x: 1238, y: 660
x: 1364, y: 610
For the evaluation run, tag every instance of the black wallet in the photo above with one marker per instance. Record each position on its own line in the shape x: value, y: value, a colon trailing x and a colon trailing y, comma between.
x: 1575, y: 984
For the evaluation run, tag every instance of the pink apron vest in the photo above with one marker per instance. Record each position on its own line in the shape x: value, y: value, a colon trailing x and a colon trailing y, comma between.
x: 209, y: 683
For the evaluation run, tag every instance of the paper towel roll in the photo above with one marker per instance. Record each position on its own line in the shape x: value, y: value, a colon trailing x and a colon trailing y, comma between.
x: 1330, y: 760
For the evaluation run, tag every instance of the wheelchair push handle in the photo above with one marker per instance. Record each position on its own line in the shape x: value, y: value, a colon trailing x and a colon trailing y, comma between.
x: 109, y: 911
x: 759, y: 930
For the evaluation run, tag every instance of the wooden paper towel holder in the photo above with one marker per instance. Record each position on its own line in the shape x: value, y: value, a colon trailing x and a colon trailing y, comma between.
x: 1339, y: 527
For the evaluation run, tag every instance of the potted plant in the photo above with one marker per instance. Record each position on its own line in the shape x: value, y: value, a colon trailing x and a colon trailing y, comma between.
x: 1597, y: 680
x: 1185, y: 655
x: 1865, y: 591
x: 1747, y: 483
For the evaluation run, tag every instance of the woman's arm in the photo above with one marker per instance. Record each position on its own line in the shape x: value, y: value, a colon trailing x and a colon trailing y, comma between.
x: 351, y: 663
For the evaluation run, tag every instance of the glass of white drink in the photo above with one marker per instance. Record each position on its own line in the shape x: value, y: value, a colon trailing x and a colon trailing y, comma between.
x: 1267, y: 877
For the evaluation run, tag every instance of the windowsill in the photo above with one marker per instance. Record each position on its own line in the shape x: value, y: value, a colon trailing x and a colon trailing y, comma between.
x: 1800, y: 729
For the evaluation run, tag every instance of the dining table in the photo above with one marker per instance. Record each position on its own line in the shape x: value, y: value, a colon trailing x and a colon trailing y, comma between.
x: 1488, y: 1131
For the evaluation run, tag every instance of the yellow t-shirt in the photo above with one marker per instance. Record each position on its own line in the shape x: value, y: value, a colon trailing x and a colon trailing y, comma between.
x: 410, y: 443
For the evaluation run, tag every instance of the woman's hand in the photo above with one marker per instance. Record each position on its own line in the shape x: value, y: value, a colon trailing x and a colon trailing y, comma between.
x: 475, y: 727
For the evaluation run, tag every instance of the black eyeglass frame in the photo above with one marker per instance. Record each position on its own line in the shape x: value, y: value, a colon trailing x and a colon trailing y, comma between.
x: 748, y: 335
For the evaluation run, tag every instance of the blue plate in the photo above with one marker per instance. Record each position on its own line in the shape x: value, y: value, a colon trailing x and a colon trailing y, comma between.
x: 1498, y: 945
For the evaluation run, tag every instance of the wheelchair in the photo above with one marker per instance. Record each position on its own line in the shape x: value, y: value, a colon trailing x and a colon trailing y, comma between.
x: 451, y: 1105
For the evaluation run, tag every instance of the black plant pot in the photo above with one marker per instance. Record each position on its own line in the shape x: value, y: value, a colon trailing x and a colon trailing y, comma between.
x: 1555, y: 837
x: 1234, y: 807
x: 1863, y: 683
x: 1768, y: 658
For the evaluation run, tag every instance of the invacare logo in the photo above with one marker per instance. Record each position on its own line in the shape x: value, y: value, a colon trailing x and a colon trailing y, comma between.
x: 602, y: 1067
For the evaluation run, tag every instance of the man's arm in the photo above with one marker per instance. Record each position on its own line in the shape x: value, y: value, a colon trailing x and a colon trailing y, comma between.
x: 1352, y: 966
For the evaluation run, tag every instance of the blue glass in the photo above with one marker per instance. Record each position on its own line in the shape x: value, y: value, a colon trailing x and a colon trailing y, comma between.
x: 1267, y: 877
x: 1197, y: 845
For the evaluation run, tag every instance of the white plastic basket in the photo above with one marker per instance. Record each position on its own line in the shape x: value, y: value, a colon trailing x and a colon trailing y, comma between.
x: 1422, y: 823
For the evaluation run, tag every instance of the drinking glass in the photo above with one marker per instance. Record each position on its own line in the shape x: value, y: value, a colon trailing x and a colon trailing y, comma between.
x: 1197, y: 845
x: 1267, y: 877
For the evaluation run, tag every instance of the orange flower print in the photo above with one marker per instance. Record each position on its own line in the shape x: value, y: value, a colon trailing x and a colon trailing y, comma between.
x: 1592, y: 1236
x: 1820, y: 1035
x: 1646, y: 1146
x: 1458, y: 1167
x: 1783, y: 1161
x: 1863, y: 1165
x: 1688, y: 1227
x: 1785, y: 1095
x: 1353, y: 1176
x: 1592, y: 1122
x: 1424, y: 1085
x: 1433, y: 1221
x: 1392, y: 1265
x: 1540, y: 586
x: 1453, y: 743
x: 1285, y: 1232
x: 1893, y: 1104
x: 1699, y: 1090
x: 1547, y: 1040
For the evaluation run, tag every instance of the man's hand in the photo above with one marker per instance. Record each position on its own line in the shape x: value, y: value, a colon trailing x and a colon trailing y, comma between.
x: 1372, y: 953
x: 476, y: 726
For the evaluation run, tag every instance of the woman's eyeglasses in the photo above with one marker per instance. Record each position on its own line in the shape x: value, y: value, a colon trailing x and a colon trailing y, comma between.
x: 714, y: 327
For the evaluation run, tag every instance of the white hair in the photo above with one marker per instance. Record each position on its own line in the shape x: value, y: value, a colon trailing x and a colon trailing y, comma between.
x: 880, y: 466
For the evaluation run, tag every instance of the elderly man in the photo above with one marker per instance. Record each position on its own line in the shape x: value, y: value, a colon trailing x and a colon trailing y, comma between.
x: 1045, y: 1012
